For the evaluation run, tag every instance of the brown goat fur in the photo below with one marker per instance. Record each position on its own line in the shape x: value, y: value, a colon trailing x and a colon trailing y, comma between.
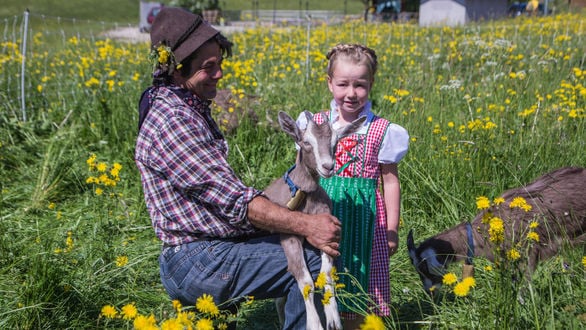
x: 558, y: 206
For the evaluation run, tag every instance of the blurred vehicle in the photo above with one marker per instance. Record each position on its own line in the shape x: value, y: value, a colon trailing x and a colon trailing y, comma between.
x: 152, y: 14
x: 520, y: 8
x: 388, y: 10
x: 148, y: 12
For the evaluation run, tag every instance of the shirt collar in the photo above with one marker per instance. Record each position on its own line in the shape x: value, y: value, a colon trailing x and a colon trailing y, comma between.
x: 366, y: 111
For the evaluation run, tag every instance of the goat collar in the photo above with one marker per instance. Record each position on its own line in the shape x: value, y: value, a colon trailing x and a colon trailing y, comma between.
x: 297, y: 195
x: 470, y: 253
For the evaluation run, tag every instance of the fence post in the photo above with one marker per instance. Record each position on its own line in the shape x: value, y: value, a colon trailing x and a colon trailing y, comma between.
x: 23, y: 66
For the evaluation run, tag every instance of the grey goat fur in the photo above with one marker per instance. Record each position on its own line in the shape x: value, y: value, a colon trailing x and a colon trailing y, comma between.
x: 558, y: 201
x: 315, y: 159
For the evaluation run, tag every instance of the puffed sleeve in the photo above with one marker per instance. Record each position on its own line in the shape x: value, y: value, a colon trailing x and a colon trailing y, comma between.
x: 394, y: 146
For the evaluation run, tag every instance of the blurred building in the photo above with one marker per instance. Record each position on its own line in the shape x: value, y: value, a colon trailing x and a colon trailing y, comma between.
x: 458, y: 12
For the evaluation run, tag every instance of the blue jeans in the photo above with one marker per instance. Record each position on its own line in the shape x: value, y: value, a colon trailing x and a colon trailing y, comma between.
x: 230, y: 269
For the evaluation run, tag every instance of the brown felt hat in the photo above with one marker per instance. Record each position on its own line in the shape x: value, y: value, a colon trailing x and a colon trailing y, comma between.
x: 181, y: 30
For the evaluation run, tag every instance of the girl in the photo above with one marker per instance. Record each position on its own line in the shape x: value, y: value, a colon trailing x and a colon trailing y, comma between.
x: 365, y: 163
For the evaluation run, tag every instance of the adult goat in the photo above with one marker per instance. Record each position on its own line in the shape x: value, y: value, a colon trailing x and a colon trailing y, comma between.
x: 556, y: 202
x: 299, y: 190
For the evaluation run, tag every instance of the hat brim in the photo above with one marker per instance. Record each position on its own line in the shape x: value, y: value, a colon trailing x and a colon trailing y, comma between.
x: 197, y: 38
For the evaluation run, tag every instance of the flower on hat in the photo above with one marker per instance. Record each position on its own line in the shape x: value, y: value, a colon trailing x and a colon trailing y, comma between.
x: 163, y: 59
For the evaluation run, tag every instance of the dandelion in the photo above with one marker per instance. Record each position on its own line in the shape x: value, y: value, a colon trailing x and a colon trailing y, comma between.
x: 461, y: 289
x: 171, y: 324
x: 206, y: 304
x: 496, y: 230
x: 450, y: 278
x: 320, y: 282
x: 177, y: 305
x: 488, y: 268
x: 306, y: 291
x: 482, y: 203
x: 109, y: 311
x: 327, y: 296
x: 204, y: 324
x: 521, y: 203
x: 584, y: 261
x: 51, y: 206
x: 372, y: 322
x: 533, y: 236
x: 513, y: 254
x: 469, y: 281
x: 498, y: 201
x: 121, y: 261
x: 142, y: 322
x: 129, y: 311
x: 534, y: 224
x: 99, y: 191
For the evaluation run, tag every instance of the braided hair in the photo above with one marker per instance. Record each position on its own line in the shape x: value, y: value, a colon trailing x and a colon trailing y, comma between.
x: 355, y: 53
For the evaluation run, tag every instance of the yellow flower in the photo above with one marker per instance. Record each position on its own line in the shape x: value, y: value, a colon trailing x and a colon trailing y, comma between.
x: 482, y: 203
x: 320, y: 282
x: 306, y: 291
x: 334, y: 274
x: 171, y: 324
x: 109, y: 311
x: 121, y: 261
x: 327, y: 296
x: 99, y: 191
x: 51, y: 206
x: 521, y: 203
x: 461, y: 289
x: 206, y: 304
x: 142, y: 322
x: 533, y: 236
x: 498, y: 201
x: 204, y: 324
x: 513, y: 254
x: 469, y: 281
x: 177, y: 305
x: 488, y: 268
x: 450, y: 278
x: 496, y: 230
x: 584, y: 261
x: 163, y: 54
x: 372, y: 322
x: 101, y: 167
x: 534, y: 224
x: 129, y: 311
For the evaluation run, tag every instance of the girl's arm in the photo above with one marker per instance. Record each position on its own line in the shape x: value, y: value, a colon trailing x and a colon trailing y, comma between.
x: 392, y: 198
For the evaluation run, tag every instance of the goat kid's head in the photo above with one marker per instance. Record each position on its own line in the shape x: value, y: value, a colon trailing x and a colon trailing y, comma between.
x: 429, y: 265
x: 317, y: 143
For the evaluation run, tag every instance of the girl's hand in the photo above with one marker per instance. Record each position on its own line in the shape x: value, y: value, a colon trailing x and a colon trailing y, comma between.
x: 393, y: 241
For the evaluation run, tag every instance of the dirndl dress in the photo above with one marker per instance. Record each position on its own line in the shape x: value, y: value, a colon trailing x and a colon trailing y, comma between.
x: 358, y: 203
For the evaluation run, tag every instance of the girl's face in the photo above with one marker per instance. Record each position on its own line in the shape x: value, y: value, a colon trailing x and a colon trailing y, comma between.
x: 207, y: 71
x: 350, y: 84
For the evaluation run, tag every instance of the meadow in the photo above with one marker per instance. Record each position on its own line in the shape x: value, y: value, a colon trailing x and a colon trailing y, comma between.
x: 488, y: 106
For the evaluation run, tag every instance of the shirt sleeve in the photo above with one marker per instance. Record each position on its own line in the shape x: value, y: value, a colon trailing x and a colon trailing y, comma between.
x: 394, y: 146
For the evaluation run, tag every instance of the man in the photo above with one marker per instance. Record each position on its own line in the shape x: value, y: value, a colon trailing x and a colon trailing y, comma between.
x: 219, y: 236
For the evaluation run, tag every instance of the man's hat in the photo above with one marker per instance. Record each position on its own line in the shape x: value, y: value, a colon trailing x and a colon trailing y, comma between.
x: 181, y: 30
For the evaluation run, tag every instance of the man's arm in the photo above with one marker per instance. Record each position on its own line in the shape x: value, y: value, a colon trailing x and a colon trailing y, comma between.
x: 321, y: 230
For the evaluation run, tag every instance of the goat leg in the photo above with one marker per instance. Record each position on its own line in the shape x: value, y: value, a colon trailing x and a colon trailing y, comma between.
x: 293, y: 247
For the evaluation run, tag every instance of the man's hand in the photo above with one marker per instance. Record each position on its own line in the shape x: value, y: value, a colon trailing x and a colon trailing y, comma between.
x: 323, y: 232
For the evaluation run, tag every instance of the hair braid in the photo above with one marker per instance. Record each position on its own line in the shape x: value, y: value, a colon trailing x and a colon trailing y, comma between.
x: 356, y: 53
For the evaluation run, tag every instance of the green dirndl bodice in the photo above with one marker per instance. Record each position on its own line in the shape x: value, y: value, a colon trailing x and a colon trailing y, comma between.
x: 354, y: 205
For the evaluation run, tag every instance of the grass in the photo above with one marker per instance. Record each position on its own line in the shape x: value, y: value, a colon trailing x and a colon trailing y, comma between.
x: 488, y: 107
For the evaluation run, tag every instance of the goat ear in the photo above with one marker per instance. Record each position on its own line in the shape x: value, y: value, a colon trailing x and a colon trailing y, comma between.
x: 410, y: 242
x: 289, y: 126
x: 352, y: 128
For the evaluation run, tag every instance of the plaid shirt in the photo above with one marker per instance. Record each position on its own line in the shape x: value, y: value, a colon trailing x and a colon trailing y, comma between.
x: 190, y: 190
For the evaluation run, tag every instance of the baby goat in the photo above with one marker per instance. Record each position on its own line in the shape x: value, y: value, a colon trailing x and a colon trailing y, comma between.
x: 558, y: 205
x: 299, y: 190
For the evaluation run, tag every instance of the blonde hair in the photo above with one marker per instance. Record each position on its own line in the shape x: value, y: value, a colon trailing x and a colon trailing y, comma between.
x: 355, y: 53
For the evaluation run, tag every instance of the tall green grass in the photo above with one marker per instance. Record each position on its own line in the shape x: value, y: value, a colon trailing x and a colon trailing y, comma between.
x: 488, y: 107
